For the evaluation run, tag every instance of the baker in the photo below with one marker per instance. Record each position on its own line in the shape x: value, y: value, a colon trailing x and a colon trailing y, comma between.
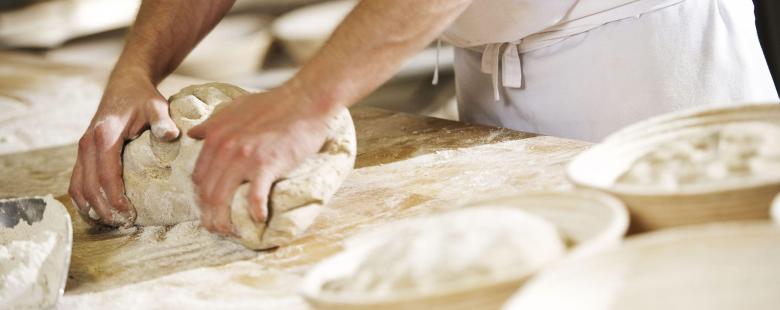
x: 569, y: 68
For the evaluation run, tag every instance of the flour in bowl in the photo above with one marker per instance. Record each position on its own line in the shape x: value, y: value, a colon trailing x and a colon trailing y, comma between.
x: 454, y: 249
x: 31, y: 260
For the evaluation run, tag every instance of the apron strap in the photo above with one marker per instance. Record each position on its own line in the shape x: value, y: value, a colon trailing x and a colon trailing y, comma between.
x: 509, y: 64
x: 436, y: 68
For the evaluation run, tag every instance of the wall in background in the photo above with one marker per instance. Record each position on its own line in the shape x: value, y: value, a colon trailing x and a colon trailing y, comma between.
x: 768, y: 25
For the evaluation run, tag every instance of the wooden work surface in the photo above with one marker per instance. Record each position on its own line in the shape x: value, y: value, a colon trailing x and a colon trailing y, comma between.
x: 406, y: 165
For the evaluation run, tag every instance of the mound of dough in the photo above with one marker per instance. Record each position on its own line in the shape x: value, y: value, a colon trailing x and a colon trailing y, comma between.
x: 454, y: 249
x: 158, y: 184
x: 717, y: 154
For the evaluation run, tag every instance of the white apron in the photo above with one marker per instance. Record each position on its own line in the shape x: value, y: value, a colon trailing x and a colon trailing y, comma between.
x: 583, y: 69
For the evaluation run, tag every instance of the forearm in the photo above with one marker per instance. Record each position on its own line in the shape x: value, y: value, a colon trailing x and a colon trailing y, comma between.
x: 164, y: 32
x: 370, y: 46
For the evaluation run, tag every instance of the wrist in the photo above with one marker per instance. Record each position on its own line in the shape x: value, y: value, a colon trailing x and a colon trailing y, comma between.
x: 312, y: 101
x: 126, y: 75
x: 135, y: 69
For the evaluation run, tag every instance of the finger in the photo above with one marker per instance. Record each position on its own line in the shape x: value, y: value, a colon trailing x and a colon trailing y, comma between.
x: 201, y: 173
x: 91, y: 187
x: 214, y: 123
x: 225, y: 157
x: 221, y: 198
x: 74, y: 190
x: 259, y: 191
x: 213, y: 145
x: 160, y: 120
x: 199, y: 131
x: 206, y: 218
x: 108, y: 142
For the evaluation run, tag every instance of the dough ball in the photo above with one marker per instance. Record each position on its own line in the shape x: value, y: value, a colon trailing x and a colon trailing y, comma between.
x: 710, y: 155
x: 450, y: 250
x: 157, y: 174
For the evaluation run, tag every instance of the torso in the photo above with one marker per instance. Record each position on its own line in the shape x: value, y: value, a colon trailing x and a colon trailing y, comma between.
x: 590, y: 84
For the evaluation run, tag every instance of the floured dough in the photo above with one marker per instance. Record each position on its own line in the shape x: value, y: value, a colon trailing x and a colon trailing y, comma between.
x: 450, y: 250
x: 157, y: 174
x: 717, y: 154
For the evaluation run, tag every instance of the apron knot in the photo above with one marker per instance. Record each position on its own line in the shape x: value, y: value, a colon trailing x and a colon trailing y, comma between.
x: 508, y: 64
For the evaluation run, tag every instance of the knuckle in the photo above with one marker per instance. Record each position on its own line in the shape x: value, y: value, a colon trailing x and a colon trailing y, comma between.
x: 246, y: 151
x: 102, y: 140
x: 84, y: 143
x: 230, y: 143
x: 118, y: 202
x: 101, y: 129
x: 211, y: 141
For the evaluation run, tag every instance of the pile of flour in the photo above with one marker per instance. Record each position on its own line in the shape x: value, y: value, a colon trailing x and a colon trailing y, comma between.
x: 718, y: 154
x: 451, y: 250
x: 31, y: 262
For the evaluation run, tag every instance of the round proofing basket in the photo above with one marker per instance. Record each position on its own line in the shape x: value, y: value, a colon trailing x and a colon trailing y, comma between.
x: 590, y: 221
x: 713, y: 266
x: 303, y: 31
x: 653, y: 208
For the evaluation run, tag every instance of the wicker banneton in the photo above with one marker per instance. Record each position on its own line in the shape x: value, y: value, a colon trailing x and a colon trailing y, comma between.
x: 590, y: 222
x: 711, y: 266
x: 655, y: 207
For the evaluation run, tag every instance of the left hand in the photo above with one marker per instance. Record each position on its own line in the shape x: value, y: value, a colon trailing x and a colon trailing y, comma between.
x: 257, y: 139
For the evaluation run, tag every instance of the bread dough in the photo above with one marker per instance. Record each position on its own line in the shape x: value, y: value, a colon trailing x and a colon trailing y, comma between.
x: 716, y: 154
x: 157, y: 174
x: 459, y: 248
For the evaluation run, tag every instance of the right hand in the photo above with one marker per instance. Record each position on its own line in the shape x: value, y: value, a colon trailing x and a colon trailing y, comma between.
x: 130, y: 104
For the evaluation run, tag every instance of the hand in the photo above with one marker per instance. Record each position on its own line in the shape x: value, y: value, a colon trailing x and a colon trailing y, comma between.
x: 257, y: 138
x: 129, y: 105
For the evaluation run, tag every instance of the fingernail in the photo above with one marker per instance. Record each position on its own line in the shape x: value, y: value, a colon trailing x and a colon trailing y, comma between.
x: 164, y: 130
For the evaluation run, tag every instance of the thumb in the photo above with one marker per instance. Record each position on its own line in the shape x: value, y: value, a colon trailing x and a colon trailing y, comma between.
x: 160, y: 120
x: 199, y: 131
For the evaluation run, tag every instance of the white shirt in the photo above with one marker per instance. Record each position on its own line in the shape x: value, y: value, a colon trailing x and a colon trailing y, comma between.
x: 597, y: 74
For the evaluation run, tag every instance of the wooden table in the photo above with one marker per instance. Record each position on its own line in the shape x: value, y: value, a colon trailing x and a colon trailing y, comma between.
x: 406, y: 165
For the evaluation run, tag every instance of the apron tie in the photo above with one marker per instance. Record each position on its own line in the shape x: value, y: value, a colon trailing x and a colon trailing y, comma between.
x: 436, y: 68
x: 509, y: 64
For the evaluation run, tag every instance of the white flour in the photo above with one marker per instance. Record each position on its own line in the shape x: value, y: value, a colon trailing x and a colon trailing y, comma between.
x: 31, y: 262
x: 239, y: 285
x: 450, y: 250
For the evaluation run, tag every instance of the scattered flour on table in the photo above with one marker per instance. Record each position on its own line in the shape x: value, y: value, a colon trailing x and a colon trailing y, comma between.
x: 29, y: 258
x: 239, y: 285
x: 717, y: 154
x: 449, y: 250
